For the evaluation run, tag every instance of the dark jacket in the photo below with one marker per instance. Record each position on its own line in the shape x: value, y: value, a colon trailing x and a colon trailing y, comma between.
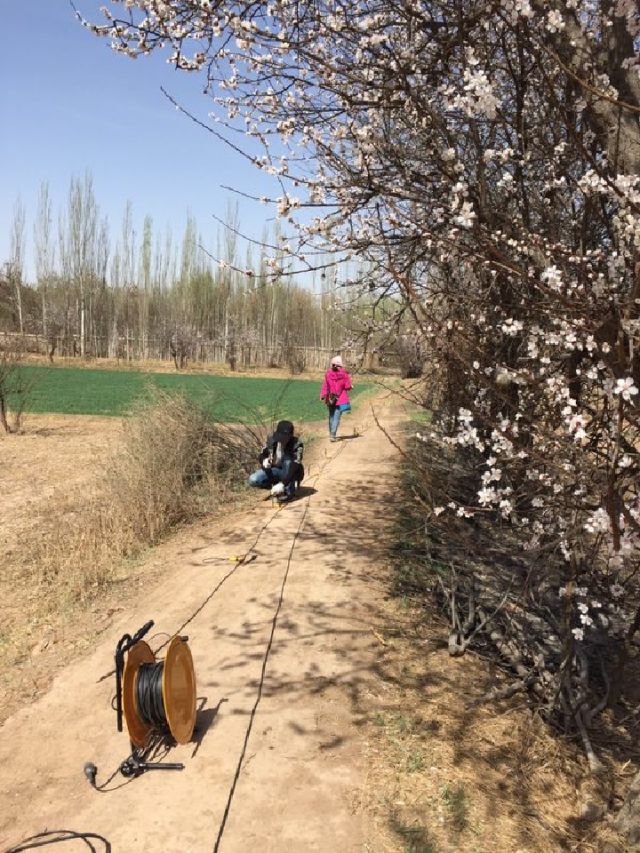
x: 290, y: 460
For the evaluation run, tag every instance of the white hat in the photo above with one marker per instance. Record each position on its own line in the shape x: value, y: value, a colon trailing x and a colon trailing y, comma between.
x: 336, y: 360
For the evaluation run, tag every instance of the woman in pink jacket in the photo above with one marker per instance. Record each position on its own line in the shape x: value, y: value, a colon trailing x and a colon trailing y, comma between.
x: 334, y: 393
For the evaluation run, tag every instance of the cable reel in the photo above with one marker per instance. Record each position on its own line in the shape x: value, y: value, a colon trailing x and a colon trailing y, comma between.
x: 155, y: 697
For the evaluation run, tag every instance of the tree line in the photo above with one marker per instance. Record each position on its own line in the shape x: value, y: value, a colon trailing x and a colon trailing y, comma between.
x: 150, y: 295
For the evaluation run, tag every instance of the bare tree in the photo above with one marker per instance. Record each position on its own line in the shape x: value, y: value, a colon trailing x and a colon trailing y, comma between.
x: 44, y: 249
x: 15, y: 385
x: 145, y: 286
x: 77, y: 237
x: 15, y: 267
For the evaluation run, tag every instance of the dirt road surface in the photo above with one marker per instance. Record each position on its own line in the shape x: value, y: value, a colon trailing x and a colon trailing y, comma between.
x: 284, y: 653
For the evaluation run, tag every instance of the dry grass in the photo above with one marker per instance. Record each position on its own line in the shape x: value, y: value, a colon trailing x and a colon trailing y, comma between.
x: 449, y: 772
x: 83, y: 499
x: 174, y: 464
x: 79, y: 536
x: 444, y: 776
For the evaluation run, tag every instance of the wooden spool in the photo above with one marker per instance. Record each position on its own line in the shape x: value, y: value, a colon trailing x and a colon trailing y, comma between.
x: 178, y: 691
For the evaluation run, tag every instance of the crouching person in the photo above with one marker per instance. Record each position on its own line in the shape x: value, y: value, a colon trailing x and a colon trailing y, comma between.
x: 281, y: 464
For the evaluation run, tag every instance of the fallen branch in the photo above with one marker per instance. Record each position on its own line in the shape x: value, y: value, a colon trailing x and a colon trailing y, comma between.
x: 499, y: 693
x: 381, y: 639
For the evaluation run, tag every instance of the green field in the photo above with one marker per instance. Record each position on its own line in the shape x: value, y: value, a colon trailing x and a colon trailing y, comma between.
x: 80, y: 391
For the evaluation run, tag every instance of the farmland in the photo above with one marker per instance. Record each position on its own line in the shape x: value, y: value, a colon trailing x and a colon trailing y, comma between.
x: 80, y: 391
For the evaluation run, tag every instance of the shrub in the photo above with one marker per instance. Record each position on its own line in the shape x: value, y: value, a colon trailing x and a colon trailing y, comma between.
x: 175, y: 464
x: 14, y: 384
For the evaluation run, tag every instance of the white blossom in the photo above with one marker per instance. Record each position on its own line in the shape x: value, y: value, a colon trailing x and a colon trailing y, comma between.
x: 626, y: 388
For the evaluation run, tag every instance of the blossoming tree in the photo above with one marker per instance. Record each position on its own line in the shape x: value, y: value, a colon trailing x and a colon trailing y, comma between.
x: 483, y: 158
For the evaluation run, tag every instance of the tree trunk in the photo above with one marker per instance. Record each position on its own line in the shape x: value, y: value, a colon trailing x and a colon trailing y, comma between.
x: 19, y: 304
x: 3, y: 414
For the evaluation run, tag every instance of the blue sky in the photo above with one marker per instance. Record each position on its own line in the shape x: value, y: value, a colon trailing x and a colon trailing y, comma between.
x: 69, y: 105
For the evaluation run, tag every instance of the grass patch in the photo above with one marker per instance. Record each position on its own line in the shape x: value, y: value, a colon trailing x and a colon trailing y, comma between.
x: 415, y: 762
x: 233, y: 399
x: 455, y: 801
x: 422, y: 416
x: 414, y: 838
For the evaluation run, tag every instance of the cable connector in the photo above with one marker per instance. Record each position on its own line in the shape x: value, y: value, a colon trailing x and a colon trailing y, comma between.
x: 91, y: 771
x: 133, y: 766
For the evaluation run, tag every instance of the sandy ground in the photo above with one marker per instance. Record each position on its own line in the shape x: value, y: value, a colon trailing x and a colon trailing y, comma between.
x: 44, y: 473
x: 284, y: 651
x: 54, y: 452
x: 330, y: 716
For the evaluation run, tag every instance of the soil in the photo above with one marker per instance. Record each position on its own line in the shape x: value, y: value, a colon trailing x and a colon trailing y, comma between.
x: 329, y: 716
x: 286, y: 707
x: 51, y: 450
x: 44, y: 473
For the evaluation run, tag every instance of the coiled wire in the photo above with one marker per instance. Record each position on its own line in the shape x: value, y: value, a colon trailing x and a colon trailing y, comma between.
x: 149, y: 694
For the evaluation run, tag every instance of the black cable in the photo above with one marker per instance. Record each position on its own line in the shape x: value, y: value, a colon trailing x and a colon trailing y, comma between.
x: 91, y: 772
x: 239, y: 563
x: 149, y: 694
x: 265, y: 661
x: 200, y: 608
x: 263, y: 673
x: 58, y: 836
x: 124, y: 644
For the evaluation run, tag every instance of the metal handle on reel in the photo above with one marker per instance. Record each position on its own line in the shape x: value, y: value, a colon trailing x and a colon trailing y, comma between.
x: 125, y: 643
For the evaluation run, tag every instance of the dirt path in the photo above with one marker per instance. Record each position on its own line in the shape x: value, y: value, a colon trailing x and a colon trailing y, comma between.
x: 284, y: 654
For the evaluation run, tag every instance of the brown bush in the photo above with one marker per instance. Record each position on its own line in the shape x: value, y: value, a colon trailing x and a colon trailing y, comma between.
x: 175, y: 464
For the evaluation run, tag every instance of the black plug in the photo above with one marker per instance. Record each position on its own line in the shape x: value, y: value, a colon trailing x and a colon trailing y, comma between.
x: 130, y: 767
x: 90, y: 771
